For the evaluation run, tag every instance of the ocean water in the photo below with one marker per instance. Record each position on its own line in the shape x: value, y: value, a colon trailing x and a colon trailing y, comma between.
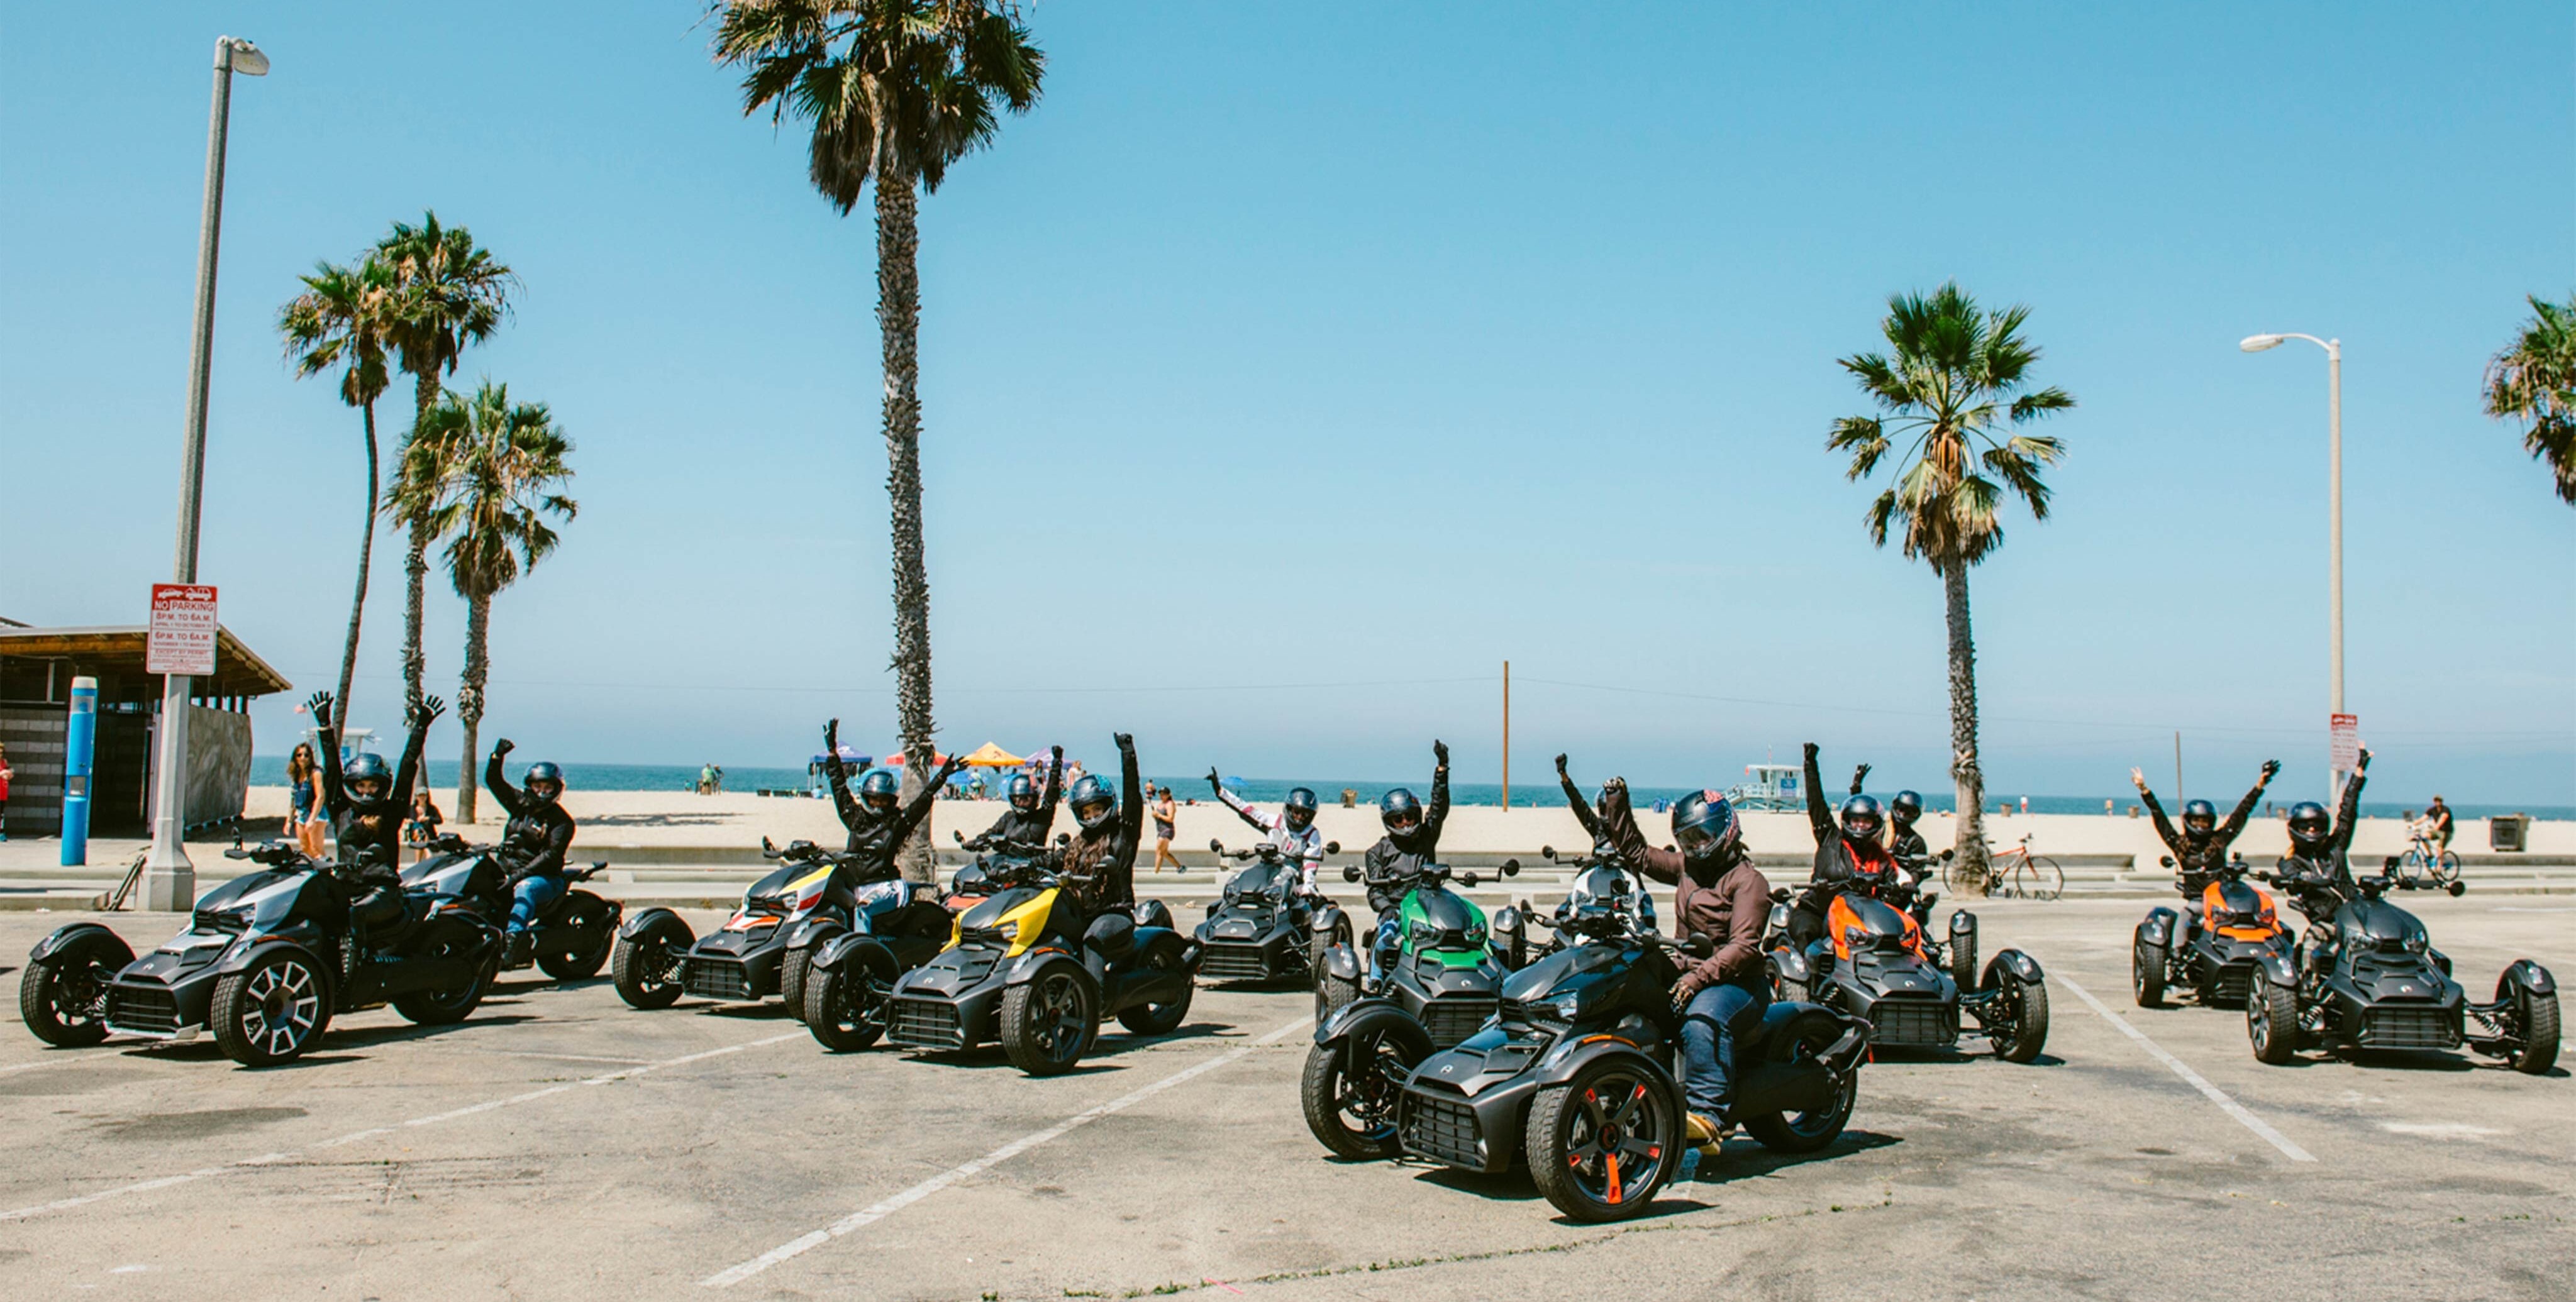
x: 270, y: 770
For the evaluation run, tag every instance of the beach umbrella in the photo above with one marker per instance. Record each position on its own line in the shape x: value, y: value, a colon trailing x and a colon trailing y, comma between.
x: 990, y: 756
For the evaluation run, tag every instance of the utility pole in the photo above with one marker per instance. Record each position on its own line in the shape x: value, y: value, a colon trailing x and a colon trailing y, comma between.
x: 1507, y: 734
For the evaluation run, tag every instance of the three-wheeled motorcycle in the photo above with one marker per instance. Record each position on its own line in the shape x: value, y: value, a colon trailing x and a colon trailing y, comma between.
x: 1448, y: 969
x: 572, y: 936
x: 1875, y: 963
x: 1577, y: 1077
x: 2221, y: 958
x: 1263, y: 927
x: 267, y: 960
x: 2366, y: 976
x: 762, y: 950
x: 895, y: 926
x: 1031, y: 967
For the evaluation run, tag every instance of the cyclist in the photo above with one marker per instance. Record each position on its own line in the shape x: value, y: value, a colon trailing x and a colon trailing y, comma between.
x: 2200, y: 850
x: 1031, y: 815
x: 1412, y: 839
x: 1848, y: 855
x: 1292, y: 830
x: 2438, y: 821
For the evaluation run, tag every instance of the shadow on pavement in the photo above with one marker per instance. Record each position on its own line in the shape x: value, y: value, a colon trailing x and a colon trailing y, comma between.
x: 1743, y: 1158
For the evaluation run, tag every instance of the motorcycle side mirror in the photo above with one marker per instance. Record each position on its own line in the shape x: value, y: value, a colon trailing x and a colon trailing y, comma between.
x: 960, y: 835
x: 1511, y: 867
x: 1547, y: 852
x: 1699, y: 945
x: 1350, y: 872
x: 765, y: 845
x: 1064, y: 838
x: 2165, y: 859
x: 1332, y: 847
x: 1215, y: 846
x: 800, y: 845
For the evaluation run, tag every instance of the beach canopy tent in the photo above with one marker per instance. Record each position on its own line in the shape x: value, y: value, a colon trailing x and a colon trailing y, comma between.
x: 990, y: 756
x: 37, y: 666
x: 850, y: 755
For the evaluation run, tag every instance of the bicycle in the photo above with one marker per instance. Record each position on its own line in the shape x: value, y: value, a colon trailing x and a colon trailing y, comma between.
x: 2425, y: 857
x: 2018, y: 874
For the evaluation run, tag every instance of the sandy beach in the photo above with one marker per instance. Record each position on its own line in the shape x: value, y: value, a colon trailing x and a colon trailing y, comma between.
x: 611, y: 820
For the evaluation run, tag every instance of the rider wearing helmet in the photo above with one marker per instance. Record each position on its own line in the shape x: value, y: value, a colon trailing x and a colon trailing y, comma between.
x: 1904, y: 844
x: 1111, y: 825
x: 1412, y: 839
x: 2319, y: 845
x: 2200, y: 849
x: 366, y: 804
x: 1718, y: 893
x: 1849, y: 853
x: 1293, y: 830
x: 532, y: 845
x: 1031, y: 815
x: 878, y: 820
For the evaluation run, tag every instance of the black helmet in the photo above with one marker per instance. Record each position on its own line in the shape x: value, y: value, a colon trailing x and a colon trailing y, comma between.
x: 1024, y: 793
x: 1705, y: 826
x: 2309, y: 824
x: 1905, y: 808
x: 368, y: 769
x: 1399, y: 807
x: 544, y: 780
x: 1094, y: 802
x: 877, y: 790
x: 1300, y: 809
x: 2199, y: 818
x: 1862, y: 818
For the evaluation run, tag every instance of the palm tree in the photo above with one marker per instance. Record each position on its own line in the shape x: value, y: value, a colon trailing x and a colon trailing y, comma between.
x: 448, y: 293
x: 1954, y: 389
x: 896, y: 90
x: 2535, y: 380
x: 339, y: 320
x: 490, y: 469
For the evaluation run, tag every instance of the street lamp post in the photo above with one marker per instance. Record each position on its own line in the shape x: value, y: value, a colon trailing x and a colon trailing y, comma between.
x: 2334, y: 517
x: 169, y: 879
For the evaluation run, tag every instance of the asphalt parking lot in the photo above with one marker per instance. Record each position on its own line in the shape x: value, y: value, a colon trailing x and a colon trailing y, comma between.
x: 559, y: 1144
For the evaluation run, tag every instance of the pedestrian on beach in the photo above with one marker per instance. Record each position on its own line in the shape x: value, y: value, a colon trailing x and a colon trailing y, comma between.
x: 303, y: 796
x: 4, y: 793
x: 422, y: 827
x: 706, y: 779
x: 1166, y: 815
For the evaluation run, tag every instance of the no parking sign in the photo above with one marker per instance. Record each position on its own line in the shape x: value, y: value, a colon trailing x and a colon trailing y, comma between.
x: 183, y: 630
x: 2345, y: 730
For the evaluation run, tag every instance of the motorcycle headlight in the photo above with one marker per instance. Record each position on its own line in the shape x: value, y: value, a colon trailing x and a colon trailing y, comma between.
x: 2416, y: 944
x: 1475, y: 935
x: 1569, y: 1007
x: 1424, y: 933
x: 1009, y: 930
x: 1854, y: 937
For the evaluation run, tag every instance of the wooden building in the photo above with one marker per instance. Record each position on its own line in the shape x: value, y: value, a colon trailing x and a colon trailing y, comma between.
x: 37, y: 666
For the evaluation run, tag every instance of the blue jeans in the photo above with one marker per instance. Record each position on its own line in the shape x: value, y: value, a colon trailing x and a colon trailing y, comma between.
x: 1710, y: 1025
x: 533, y: 896
x: 1384, y: 947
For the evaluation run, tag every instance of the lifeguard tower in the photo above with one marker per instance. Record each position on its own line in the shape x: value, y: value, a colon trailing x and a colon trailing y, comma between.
x: 1769, y: 787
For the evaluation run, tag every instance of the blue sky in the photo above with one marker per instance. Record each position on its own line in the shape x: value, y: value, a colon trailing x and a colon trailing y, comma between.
x: 1370, y: 346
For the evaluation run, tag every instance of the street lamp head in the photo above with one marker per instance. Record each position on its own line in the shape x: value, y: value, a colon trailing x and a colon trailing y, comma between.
x: 2257, y: 343
x: 243, y: 57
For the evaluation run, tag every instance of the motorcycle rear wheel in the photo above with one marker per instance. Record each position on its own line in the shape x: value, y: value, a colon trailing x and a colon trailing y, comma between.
x: 1166, y: 1017
x: 565, y: 963
x: 63, y: 997
x: 447, y: 1007
x: 1814, y: 1128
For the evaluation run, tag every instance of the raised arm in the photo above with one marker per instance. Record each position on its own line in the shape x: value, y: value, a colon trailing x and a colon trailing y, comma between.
x: 1820, y: 819
x: 1234, y: 802
x: 509, y: 796
x: 2348, y: 811
x: 408, y: 771
x: 2235, y: 824
x: 1054, y: 788
x: 910, y: 816
x: 1859, y: 776
x: 1583, y: 812
x: 1437, y: 811
x: 334, y: 797
x: 839, y: 774
x: 2164, y: 826
x: 1619, y: 825
x: 1131, y: 795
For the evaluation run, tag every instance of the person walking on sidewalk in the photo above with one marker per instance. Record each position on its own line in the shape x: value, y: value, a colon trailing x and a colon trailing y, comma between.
x: 1166, y: 815
x: 4, y: 793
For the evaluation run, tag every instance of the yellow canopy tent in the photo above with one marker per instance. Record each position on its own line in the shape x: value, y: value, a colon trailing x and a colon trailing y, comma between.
x: 990, y: 756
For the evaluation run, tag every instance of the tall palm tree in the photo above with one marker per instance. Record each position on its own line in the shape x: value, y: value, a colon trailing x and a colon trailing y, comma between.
x: 2535, y: 380
x: 448, y: 293
x: 339, y: 320
x: 896, y: 90
x: 492, y: 469
x: 1954, y: 389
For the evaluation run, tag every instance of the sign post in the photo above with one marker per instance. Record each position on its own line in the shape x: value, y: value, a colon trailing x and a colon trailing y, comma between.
x: 181, y: 647
x: 2344, y: 750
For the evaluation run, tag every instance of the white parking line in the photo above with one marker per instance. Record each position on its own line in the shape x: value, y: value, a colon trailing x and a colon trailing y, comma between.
x: 2192, y: 1078
x: 805, y: 1243
x: 270, y: 1159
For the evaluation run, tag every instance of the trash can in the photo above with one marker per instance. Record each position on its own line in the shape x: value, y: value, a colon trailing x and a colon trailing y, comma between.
x: 2508, y: 831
